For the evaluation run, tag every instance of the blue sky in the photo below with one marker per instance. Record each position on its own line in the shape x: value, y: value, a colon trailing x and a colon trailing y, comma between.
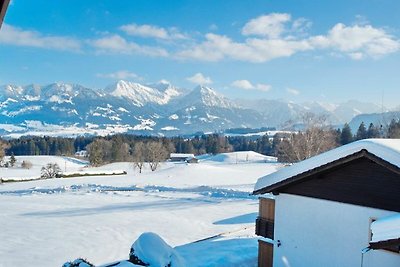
x: 299, y: 50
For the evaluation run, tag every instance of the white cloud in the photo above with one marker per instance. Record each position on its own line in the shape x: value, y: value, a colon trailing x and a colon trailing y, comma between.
x: 273, y: 40
x: 120, y: 75
x: 292, y: 91
x: 117, y: 44
x: 152, y: 31
x: 247, y: 85
x: 301, y: 26
x: 11, y: 35
x: 199, y: 78
x: 145, y: 31
x: 357, y: 41
x: 271, y: 25
x: 242, y: 84
x: 217, y: 47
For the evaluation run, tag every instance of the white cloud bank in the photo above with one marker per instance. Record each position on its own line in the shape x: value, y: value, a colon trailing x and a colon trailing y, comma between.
x: 119, y: 45
x: 264, y: 38
x: 199, y: 79
x: 152, y: 31
x: 275, y: 36
x: 11, y: 35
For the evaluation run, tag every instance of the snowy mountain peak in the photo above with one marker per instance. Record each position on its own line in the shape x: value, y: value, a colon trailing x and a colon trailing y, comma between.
x: 209, y: 97
x: 141, y: 95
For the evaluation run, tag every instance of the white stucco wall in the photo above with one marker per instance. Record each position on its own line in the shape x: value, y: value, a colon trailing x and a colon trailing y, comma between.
x: 322, y: 233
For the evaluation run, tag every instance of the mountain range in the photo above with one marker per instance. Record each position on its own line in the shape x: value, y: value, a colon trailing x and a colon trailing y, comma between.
x: 158, y: 108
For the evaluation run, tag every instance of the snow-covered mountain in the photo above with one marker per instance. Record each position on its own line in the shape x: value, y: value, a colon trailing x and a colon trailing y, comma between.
x: 277, y: 112
x: 141, y: 95
x: 159, y: 108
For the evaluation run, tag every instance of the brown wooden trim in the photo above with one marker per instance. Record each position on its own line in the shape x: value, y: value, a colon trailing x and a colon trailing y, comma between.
x: 3, y: 9
x: 265, y: 228
x: 386, y: 244
x: 265, y: 254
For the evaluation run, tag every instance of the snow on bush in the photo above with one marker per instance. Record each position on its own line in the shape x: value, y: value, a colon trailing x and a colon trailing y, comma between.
x: 78, y: 263
x: 151, y: 250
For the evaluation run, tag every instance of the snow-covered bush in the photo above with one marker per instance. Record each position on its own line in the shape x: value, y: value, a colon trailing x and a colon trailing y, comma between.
x: 52, y: 170
x: 151, y: 250
x: 78, y: 263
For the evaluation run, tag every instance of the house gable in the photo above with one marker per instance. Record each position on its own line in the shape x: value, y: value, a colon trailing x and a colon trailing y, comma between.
x: 360, y: 179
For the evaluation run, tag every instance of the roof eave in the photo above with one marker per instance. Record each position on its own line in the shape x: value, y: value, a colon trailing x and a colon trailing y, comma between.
x: 384, y: 244
x: 3, y: 9
x: 279, y: 186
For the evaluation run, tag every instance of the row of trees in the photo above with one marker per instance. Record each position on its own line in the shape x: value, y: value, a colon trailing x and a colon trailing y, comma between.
x: 47, y: 145
x: 316, y: 137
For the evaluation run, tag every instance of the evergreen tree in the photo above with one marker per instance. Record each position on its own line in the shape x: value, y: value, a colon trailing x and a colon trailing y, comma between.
x: 13, y: 160
x: 372, y: 132
x: 361, y: 132
x: 346, y: 136
x: 394, y: 129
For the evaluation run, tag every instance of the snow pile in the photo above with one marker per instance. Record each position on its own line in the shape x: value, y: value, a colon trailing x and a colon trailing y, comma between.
x: 239, y: 157
x: 386, y: 149
x: 78, y: 263
x: 386, y: 228
x: 151, y: 250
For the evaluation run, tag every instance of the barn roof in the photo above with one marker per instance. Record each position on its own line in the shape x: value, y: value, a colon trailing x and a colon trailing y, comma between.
x: 181, y: 155
x: 386, y: 149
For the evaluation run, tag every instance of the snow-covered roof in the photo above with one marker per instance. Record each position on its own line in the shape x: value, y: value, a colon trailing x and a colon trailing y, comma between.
x: 386, y: 228
x: 386, y: 149
x: 181, y: 155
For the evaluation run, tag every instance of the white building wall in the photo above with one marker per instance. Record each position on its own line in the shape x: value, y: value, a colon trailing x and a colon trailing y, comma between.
x: 323, y: 233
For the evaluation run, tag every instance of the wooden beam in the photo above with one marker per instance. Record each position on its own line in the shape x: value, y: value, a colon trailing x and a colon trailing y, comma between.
x: 386, y: 244
x: 3, y: 9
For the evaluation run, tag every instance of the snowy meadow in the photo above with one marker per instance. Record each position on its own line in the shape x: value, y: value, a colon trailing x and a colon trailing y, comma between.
x: 49, y: 222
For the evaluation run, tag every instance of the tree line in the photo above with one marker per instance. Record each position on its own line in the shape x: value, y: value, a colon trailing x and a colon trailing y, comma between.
x: 315, y: 138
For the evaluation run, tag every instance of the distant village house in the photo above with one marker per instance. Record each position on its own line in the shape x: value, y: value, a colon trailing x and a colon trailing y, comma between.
x: 81, y: 154
x: 340, y: 208
x: 182, y: 157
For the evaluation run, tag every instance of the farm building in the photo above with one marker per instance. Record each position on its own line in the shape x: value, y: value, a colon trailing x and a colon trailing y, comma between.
x: 81, y: 153
x: 340, y: 208
x: 176, y: 157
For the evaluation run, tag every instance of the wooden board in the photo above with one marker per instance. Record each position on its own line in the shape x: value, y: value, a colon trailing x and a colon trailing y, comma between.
x: 265, y: 254
x: 267, y: 209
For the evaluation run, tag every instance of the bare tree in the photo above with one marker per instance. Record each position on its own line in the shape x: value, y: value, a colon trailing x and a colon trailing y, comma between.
x: 155, y: 153
x: 26, y: 164
x: 99, y: 152
x: 3, y: 147
x: 139, y: 155
x: 51, y: 170
x: 316, y: 138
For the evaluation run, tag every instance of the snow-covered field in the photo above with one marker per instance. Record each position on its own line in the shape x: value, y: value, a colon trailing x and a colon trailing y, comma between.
x: 49, y: 222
